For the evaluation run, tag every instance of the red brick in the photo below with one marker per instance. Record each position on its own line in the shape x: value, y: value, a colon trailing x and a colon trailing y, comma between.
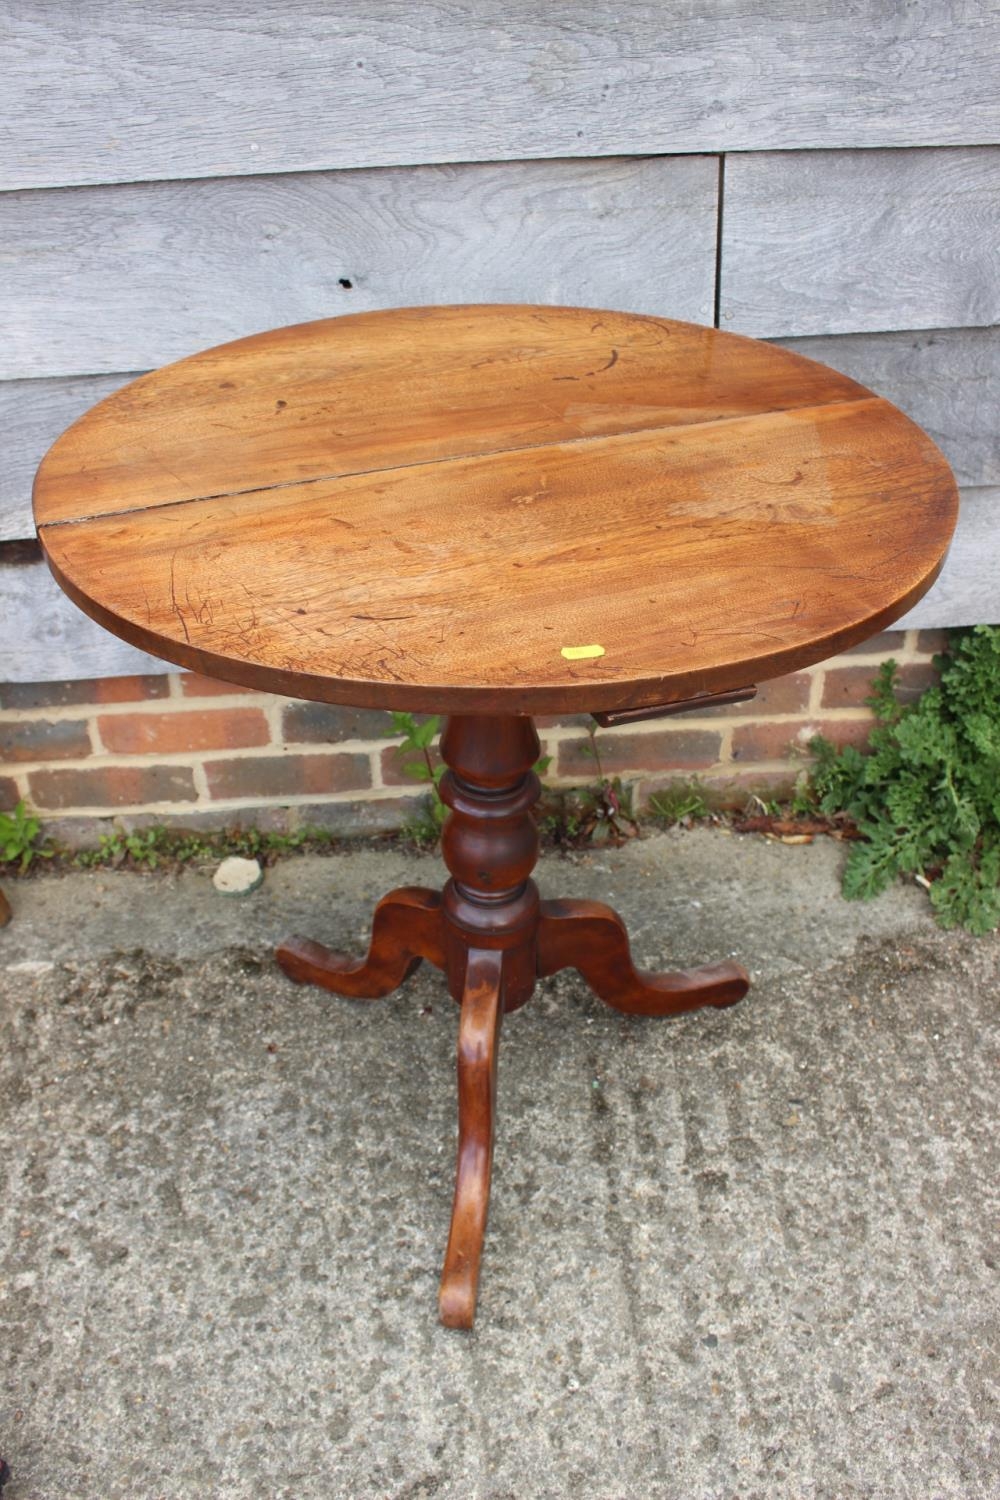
x: 201, y: 729
x: 889, y: 643
x: 727, y: 790
x: 130, y: 689
x: 193, y: 685
x: 111, y: 786
x: 326, y: 723
x: 349, y: 819
x: 756, y: 742
x: 914, y: 679
x: 9, y: 795
x: 287, y: 775
x: 394, y: 759
x: 663, y: 750
x: 781, y: 695
x: 848, y: 687
x: 736, y: 791
x: 934, y: 641
x: 94, y: 690
x: 40, y: 739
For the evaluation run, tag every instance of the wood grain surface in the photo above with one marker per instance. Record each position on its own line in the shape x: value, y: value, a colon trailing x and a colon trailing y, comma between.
x: 436, y: 508
x: 168, y: 90
x: 98, y: 280
x: 825, y: 242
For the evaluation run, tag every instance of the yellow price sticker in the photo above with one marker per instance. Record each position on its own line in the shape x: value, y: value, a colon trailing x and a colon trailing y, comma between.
x: 581, y: 653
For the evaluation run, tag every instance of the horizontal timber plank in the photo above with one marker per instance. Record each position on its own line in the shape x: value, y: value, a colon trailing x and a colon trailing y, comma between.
x: 32, y: 415
x: 967, y: 591
x: 827, y: 242
x: 45, y: 638
x: 947, y: 380
x: 99, y: 280
x: 154, y: 91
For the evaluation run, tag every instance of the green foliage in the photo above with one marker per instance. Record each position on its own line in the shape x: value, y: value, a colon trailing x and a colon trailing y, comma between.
x: 926, y: 796
x: 425, y: 827
x: 143, y: 849
x: 601, y: 813
x: 18, y: 836
x: 150, y: 848
x: 683, y: 802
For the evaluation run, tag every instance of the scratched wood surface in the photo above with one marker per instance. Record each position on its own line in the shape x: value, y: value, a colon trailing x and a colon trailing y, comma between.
x: 98, y: 280
x: 494, y: 508
x: 824, y: 242
x: 168, y: 90
x: 45, y: 638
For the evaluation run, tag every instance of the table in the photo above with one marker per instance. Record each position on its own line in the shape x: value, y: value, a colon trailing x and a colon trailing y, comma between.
x: 495, y: 512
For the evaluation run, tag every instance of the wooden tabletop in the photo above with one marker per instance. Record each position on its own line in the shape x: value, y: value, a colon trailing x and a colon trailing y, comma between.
x: 497, y: 509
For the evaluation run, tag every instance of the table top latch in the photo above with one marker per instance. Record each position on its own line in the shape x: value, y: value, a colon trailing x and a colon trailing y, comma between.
x: 679, y: 706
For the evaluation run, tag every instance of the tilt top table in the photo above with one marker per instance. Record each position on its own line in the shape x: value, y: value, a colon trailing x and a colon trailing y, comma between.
x: 495, y: 512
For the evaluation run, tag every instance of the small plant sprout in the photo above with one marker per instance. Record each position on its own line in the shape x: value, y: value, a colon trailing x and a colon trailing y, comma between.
x: 425, y: 829
x: 18, y: 835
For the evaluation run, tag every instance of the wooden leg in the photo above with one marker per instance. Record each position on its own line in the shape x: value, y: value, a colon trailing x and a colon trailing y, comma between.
x: 407, y: 927
x: 590, y: 937
x: 478, y: 1045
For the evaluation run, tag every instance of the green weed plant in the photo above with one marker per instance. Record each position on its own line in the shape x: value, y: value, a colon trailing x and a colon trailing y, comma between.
x: 19, y: 838
x: 926, y: 795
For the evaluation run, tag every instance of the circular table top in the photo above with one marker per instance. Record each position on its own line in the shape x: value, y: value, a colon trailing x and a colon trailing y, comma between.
x: 495, y: 509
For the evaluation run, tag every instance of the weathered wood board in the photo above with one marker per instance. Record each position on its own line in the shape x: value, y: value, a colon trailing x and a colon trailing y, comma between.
x: 98, y: 280
x: 44, y: 637
x: 827, y: 242
x: 32, y: 415
x: 129, y: 90
x: 947, y: 380
x: 968, y: 590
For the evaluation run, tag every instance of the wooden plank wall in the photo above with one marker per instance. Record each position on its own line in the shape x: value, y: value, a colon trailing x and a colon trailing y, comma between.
x: 173, y: 176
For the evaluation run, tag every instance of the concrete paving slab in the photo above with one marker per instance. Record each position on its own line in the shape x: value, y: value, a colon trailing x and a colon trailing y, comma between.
x: 746, y: 1253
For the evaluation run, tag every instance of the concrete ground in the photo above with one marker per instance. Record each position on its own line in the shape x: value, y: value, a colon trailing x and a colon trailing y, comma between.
x: 744, y: 1253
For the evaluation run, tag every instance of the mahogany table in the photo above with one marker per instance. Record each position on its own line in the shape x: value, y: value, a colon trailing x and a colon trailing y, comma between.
x: 495, y: 512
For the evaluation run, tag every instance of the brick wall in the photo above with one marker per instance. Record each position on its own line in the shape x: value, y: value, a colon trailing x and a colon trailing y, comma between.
x: 189, y: 751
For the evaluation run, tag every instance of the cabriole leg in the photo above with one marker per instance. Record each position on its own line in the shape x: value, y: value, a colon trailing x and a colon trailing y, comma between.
x: 478, y: 1045
x: 406, y: 928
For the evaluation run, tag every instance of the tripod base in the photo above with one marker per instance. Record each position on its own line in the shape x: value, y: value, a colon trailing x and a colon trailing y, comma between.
x: 493, y: 937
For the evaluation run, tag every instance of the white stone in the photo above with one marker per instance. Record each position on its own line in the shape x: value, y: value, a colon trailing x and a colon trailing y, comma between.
x: 238, y: 877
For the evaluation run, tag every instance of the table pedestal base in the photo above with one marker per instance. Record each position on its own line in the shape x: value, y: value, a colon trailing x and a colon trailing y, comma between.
x: 493, y: 938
